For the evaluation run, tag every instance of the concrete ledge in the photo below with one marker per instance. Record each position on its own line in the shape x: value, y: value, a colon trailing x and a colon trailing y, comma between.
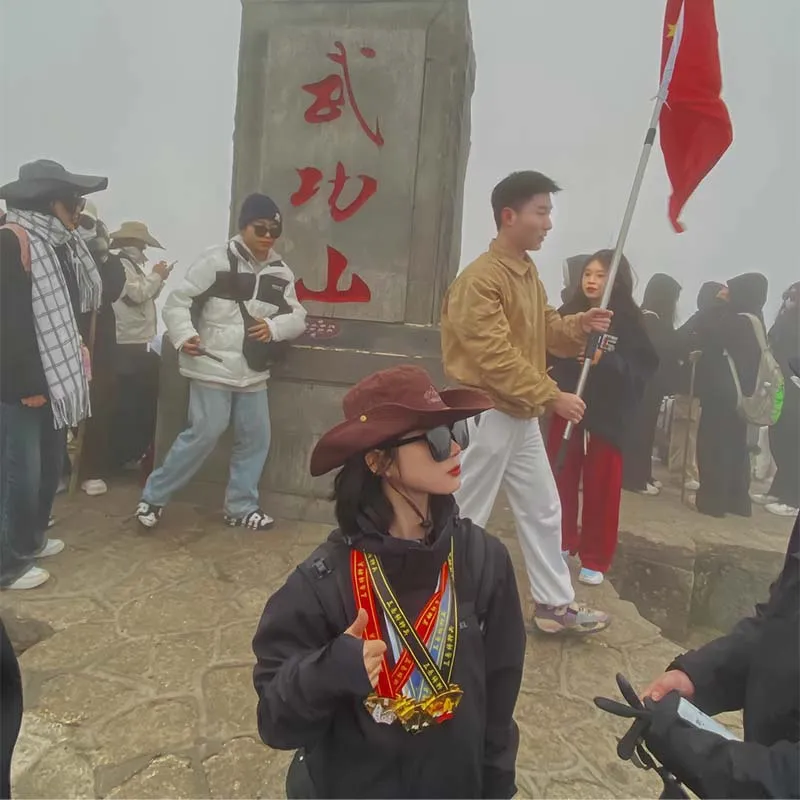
x: 685, y: 583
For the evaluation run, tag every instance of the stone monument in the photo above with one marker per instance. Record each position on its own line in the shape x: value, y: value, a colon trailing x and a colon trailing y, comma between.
x: 355, y: 117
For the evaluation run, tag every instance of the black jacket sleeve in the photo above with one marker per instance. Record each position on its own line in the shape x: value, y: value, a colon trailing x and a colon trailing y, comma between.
x: 304, y: 668
x: 112, y: 274
x: 504, y: 646
x: 21, y: 372
x: 712, y: 766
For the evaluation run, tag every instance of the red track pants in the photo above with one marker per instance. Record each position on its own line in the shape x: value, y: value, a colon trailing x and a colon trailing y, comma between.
x: 601, y: 466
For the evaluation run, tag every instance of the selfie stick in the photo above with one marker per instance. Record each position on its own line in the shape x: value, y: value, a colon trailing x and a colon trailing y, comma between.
x: 594, y: 339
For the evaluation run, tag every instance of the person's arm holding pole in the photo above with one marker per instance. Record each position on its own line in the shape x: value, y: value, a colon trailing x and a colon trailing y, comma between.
x: 592, y: 344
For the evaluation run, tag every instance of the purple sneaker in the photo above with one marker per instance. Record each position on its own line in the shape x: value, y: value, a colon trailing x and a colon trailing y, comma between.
x: 574, y: 618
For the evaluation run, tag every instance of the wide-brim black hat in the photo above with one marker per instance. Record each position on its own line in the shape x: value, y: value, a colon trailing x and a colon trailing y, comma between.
x: 44, y: 177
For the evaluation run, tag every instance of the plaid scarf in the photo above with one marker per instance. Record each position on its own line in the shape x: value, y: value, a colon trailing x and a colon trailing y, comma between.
x: 56, y: 327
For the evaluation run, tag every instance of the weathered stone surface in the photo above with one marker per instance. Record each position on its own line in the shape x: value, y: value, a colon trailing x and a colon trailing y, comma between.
x: 179, y: 661
x: 150, y: 728
x: 231, y: 701
x: 181, y: 691
x: 70, y: 648
x: 56, y: 614
x: 166, y: 776
x: 244, y: 768
x: 77, y: 699
x: 61, y: 772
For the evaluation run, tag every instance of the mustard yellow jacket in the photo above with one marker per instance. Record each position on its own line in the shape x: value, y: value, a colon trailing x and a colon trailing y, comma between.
x: 497, y: 328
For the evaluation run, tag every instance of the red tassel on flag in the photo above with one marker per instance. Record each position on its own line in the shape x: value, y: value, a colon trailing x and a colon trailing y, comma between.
x: 695, y: 127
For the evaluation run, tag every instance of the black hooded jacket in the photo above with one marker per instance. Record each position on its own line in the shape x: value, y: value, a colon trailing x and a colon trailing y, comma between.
x: 616, y: 383
x: 755, y: 668
x: 311, y: 680
x: 723, y: 328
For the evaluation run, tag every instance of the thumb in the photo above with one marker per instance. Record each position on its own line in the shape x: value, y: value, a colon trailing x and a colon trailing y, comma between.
x: 359, y: 626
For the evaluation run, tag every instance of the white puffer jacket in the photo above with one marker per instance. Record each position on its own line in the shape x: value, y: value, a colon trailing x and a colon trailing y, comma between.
x: 221, y: 327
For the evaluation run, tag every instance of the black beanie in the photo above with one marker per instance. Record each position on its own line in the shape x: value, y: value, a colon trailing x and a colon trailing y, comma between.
x: 258, y: 206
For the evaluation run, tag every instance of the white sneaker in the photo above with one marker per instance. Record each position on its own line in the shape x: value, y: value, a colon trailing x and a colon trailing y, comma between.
x: 52, y: 548
x: 692, y: 486
x: 94, y: 487
x: 591, y: 577
x: 657, y: 484
x: 781, y: 510
x: 34, y: 577
x: 650, y: 490
x: 763, y: 499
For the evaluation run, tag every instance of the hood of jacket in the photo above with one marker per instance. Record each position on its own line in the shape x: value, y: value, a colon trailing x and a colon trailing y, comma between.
x: 707, y: 296
x: 748, y: 293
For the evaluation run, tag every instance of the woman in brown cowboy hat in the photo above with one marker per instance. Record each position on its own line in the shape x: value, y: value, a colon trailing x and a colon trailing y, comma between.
x: 392, y: 657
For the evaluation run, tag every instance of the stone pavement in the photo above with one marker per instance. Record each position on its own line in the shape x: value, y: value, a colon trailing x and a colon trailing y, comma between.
x: 137, y: 666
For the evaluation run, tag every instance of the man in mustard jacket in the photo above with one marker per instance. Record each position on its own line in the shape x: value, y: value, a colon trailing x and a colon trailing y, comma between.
x: 497, y: 328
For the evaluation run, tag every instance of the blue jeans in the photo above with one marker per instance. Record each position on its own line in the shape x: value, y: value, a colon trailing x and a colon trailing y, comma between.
x: 31, y: 463
x: 210, y: 412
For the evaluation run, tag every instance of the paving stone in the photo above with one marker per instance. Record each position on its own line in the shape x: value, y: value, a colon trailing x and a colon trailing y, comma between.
x: 174, y: 610
x: 61, y: 772
x: 58, y: 614
x: 235, y: 642
x: 230, y: 701
x: 129, y: 659
x: 71, y: 648
x: 245, y: 768
x: 165, y: 776
x: 591, y: 667
x: 148, y: 729
x: 178, y: 662
x: 578, y: 789
x: 78, y: 699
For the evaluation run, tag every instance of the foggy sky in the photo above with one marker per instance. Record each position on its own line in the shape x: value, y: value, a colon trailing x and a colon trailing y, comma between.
x: 144, y: 92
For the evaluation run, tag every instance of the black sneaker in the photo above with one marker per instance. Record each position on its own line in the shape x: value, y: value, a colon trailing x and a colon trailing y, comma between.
x: 255, y: 521
x: 147, y: 514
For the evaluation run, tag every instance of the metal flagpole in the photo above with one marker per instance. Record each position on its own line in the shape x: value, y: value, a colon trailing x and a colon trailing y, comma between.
x: 591, y: 347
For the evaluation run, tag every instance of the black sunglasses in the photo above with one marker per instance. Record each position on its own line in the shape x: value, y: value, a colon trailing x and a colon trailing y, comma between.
x: 273, y: 230
x: 439, y: 439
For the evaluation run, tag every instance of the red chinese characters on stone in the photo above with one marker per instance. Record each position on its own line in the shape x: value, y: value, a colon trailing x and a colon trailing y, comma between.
x: 310, y: 180
x: 357, y: 292
x: 329, y: 95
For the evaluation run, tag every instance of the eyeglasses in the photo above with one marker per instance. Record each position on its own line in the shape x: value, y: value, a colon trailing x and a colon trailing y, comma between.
x: 262, y: 230
x: 439, y: 439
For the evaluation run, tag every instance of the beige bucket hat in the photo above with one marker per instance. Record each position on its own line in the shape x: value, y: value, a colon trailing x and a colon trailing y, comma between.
x: 138, y: 231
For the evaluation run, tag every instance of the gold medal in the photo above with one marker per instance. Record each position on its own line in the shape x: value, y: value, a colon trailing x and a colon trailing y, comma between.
x: 443, y: 705
x: 381, y: 709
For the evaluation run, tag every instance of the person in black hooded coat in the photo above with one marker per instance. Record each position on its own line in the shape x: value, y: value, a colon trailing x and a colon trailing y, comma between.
x: 331, y: 639
x: 722, y: 457
x: 614, y: 389
x: 659, y: 306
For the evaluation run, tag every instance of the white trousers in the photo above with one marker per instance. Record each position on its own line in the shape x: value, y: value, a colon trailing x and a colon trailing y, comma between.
x: 509, y: 451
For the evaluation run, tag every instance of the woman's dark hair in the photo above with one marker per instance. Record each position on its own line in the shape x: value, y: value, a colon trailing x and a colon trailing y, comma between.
x: 621, y: 301
x: 358, y: 491
x: 661, y: 297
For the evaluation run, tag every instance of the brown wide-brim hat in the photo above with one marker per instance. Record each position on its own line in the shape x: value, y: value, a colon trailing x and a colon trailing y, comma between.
x: 385, y: 406
x: 44, y: 177
x: 137, y: 231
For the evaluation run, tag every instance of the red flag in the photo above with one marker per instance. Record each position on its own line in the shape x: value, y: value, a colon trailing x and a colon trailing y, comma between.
x: 695, y: 127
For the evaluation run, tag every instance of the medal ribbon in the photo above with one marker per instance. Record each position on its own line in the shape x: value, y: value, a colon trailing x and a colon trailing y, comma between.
x: 438, y: 680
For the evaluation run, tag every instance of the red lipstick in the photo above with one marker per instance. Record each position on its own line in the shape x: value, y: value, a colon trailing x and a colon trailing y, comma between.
x: 455, y: 472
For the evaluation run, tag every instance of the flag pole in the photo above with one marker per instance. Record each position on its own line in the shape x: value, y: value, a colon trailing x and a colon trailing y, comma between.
x: 661, y: 97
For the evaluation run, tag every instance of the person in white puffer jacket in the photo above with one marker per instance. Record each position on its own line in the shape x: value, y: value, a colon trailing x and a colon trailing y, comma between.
x: 232, y: 297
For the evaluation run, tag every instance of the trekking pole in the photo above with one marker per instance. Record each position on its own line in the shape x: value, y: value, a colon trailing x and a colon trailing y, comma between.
x: 649, y: 139
x: 694, y: 357
x: 81, y: 437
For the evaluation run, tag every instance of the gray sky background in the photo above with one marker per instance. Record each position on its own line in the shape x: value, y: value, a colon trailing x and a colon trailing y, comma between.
x: 144, y: 91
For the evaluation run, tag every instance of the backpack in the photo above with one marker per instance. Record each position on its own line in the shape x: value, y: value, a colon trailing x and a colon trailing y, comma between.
x: 763, y: 407
x: 24, y: 243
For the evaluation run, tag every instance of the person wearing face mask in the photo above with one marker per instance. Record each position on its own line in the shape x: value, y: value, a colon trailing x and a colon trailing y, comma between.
x: 614, y: 389
x: 137, y: 366
x: 392, y: 657
x: 95, y: 462
x: 230, y: 317
x: 48, y: 280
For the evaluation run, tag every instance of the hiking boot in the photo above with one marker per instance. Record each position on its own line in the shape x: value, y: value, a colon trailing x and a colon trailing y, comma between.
x: 575, y: 618
x: 147, y: 514
x: 256, y: 521
x: 34, y: 577
x: 52, y: 548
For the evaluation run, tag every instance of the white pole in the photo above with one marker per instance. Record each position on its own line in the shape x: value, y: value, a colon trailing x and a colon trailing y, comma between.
x: 663, y: 91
